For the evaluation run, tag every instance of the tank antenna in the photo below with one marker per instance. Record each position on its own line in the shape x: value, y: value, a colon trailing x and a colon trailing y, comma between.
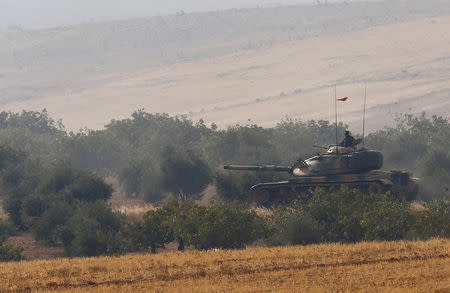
x: 335, y: 114
x: 364, y: 114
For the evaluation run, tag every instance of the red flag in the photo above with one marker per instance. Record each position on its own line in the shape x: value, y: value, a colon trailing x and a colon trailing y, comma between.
x: 343, y: 99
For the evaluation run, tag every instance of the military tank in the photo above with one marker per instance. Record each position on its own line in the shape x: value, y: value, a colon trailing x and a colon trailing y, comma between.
x: 339, y: 166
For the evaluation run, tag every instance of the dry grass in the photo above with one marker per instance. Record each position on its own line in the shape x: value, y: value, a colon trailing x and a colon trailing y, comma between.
x: 32, y: 249
x: 136, y: 208
x: 133, y: 208
x: 368, y: 267
x: 3, y: 215
x: 135, y: 213
x: 417, y: 207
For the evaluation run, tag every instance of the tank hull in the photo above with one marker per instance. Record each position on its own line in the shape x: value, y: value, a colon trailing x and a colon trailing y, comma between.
x: 398, y: 183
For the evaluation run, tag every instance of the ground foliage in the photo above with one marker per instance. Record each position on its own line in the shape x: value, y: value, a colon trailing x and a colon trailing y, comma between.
x: 347, y: 215
x: 144, y: 150
x: 203, y: 227
x: 60, y: 196
x: 343, y: 215
x: 57, y: 203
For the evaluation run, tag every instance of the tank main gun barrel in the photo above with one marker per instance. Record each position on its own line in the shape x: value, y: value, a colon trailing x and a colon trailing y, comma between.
x: 258, y: 168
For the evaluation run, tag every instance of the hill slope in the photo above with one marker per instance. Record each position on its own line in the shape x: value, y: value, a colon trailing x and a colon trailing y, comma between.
x: 386, y: 266
x: 260, y: 64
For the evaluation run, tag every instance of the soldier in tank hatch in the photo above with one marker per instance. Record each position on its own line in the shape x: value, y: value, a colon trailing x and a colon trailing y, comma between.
x: 348, y: 140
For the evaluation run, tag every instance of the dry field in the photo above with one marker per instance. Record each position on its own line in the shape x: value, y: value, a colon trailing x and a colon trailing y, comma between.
x: 367, y: 267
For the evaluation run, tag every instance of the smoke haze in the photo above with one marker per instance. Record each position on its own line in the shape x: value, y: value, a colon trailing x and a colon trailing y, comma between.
x: 32, y: 14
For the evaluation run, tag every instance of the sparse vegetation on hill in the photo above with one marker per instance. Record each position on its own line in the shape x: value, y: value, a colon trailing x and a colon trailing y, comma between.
x: 72, y: 59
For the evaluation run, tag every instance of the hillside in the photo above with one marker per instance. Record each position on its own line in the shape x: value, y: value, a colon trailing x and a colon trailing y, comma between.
x: 384, y: 266
x: 230, y: 66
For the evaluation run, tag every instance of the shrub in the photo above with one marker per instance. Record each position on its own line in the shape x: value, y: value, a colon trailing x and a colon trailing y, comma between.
x: 433, y: 221
x: 84, y: 185
x: 13, y: 206
x: 10, y: 253
x: 156, y: 229
x: 90, y: 187
x: 435, y: 173
x: 294, y: 228
x: 32, y: 208
x: 223, y: 226
x: 342, y: 215
x: 92, y: 230
x: 183, y: 174
x: 339, y: 212
x: 83, y: 237
x: 151, y: 188
x: 57, y: 177
x: 49, y: 226
x: 131, y: 177
x: 6, y: 229
x: 387, y: 220
x: 227, y: 187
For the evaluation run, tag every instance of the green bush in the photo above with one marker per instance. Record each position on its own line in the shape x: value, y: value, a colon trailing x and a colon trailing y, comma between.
x: 32, y: 208
x: 90, y: 187
x: 57, y: 178
x: 92, y: 230
x: 294, y: 227
x: 183, y: 174
x: 84, y: 185
x: 433, y: 221
x: 156, y: 229
x: 387, y: 220
x: 49, y: 226
x: 227, y: 186
x: 224, y: 226
x: 435, y: 172
x: 346, y: 215
x: 339, y: 212
x: 132, y: 177
x: 10, y: 253
x: 13, y: 207
x: 174, y: 221
x: 6, y: 230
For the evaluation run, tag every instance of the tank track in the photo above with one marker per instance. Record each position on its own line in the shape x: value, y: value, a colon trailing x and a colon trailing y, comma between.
x: 269, y: 194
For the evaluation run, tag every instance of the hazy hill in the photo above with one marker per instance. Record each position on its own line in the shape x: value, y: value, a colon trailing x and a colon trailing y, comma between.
x: 221, y: 64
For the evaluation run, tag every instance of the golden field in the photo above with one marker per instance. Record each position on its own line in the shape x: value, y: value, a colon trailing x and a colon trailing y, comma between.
x: 420, y: 266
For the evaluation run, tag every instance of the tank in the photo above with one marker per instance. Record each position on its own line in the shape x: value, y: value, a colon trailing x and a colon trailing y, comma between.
x: 337, y: 167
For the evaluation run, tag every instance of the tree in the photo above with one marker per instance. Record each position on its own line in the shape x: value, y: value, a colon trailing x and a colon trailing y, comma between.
x: 94, y: 229
x: 156, y: 229
x: 183, y: 174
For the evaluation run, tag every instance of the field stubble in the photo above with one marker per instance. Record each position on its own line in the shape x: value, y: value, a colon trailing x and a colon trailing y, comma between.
x: 378, y: 266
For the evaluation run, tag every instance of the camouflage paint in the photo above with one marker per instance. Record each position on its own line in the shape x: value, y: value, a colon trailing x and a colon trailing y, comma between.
x: 358, y: 169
